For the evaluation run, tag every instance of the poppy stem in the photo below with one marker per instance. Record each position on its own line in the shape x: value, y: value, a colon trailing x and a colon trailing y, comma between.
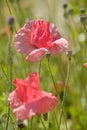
x: 56, y: 119
x: 8, y: 7
x: 10, y: 73
x: 24, y: 66
x: 4, y: 115
x: 65, y: 120
x: 2, y: 68
x: 48, y: 59
x: 39, y: 67
x: 20, y: 11
x: 31, y: 123
x: 42, y: 122
x: 62, y: 104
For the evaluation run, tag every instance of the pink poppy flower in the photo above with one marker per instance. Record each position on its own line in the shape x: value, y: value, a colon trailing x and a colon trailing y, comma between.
x: 28, y: 99
x: 85, y: 65
x: 36, y: 38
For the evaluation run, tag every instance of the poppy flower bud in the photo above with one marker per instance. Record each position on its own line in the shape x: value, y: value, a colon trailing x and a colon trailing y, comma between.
x: 69, y: 54
x: 82, y: 11
x: 83, y: 16
x: 65, y: 5
x: 70, y: 11
x: 20, y: 124
x: 65, y: 9
x: 48, y: 55
x: 10, y: 22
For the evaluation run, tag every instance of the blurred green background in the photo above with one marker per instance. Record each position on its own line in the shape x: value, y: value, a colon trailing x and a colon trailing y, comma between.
x: 70, y: 17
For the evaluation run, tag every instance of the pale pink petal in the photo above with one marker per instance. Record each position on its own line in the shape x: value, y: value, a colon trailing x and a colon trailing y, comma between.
x: 22, y: 43
x: 58, y: 46
x: 55, y: 33
x: 23, y: 112
x: 46, y: 103
x: 43, y: 105
x: 14, y: 101
x: 37, y: 55
x: 28, y: 25
x: 85, y: 65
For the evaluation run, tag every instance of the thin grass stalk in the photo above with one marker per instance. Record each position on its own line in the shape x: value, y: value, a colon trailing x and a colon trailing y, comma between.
x: 65, y: 121
x: 56, y: 119
x: 39, y: 67
x: 10, y: 73
x: 85, y: 47
x: 64, y: 95
x: 20, y: 10
x: 48, y: 60
x: 41, y: 120
x: 11, y: 119
x: 4, y: 73
x: 31, y: 123
x: 24, y: 66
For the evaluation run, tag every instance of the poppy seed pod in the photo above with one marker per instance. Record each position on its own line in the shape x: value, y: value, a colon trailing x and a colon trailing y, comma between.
x: 83, y: 18
x: 10, y: 20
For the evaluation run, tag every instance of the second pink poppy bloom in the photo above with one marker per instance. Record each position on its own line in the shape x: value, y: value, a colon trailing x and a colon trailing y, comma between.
x: 28, y: 99
x: 38, y: 37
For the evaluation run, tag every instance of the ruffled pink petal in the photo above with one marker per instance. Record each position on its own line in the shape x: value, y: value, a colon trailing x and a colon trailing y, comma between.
x: 29, y: 89
x: 33, y: 79
x: 58, y: 46
x: 33, y: 88
x: 22, y: 42
x: 23, y: 112
x: 85, y: 65
x: 41, y: 106
x: 37, y: 55
x: 14, y: 100
x: 28, y: 24
x: 47, y: 103
x: 21, y: 89
x: 55, y: 33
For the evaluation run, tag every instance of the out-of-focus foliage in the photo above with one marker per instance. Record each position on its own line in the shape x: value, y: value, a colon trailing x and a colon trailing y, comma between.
x: 70, y: 16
